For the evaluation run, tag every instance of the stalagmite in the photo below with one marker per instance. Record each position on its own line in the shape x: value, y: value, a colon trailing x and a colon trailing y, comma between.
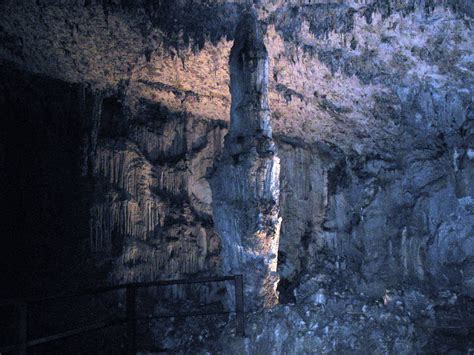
x: 245, y: 184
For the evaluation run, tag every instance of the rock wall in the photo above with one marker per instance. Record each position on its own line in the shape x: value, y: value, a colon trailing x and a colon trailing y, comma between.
x: 381, y: 222
x: 375, y: 200
x: 371, y: 108
x: 153, y: 214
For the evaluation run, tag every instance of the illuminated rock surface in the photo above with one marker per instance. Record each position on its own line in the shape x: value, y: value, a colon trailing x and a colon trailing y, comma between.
x: 246, y: 180
x: 131, y: 126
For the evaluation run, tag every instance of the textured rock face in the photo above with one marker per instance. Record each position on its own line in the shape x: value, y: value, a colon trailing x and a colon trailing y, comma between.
x: 246, y: 180
x: 385, y: 220
x: 154, y: 209
x: 127, y: 194
x: 371, y: 108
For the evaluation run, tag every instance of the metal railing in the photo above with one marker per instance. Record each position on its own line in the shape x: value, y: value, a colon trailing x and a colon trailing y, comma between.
x: 130, y: 318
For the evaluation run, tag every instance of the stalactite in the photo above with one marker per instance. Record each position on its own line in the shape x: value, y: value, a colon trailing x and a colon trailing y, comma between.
x: 147, y: 179
x: 165, y: 141
x: 92, y: 112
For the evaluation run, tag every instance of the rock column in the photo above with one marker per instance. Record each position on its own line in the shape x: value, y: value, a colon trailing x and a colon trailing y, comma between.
x: 245, y: 182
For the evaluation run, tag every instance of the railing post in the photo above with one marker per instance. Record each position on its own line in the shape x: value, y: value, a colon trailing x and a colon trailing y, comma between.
x: 22, y: 328
x: 131, y: 310
x: 239, y: 304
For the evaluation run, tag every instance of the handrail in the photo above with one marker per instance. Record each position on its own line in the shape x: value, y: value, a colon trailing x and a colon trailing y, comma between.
x: 131, y: 316
x: 97, y: 290
x: 63, y: 335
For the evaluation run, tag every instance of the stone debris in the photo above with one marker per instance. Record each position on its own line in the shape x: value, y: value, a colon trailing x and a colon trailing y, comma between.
x: 403, y: 321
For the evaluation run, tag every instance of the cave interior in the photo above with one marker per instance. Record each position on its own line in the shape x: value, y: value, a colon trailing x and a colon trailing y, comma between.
x: 324, y: 150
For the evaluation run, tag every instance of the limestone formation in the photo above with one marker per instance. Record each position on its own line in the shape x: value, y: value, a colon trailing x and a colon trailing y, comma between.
x: 350, y: 124
x: 245, y: 183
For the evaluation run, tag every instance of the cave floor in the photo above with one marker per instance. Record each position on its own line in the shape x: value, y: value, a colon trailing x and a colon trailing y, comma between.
x: 401, y: 322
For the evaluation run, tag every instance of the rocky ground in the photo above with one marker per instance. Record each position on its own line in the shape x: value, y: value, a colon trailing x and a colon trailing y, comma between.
x: 328, y: 317
x: 403, y: 321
